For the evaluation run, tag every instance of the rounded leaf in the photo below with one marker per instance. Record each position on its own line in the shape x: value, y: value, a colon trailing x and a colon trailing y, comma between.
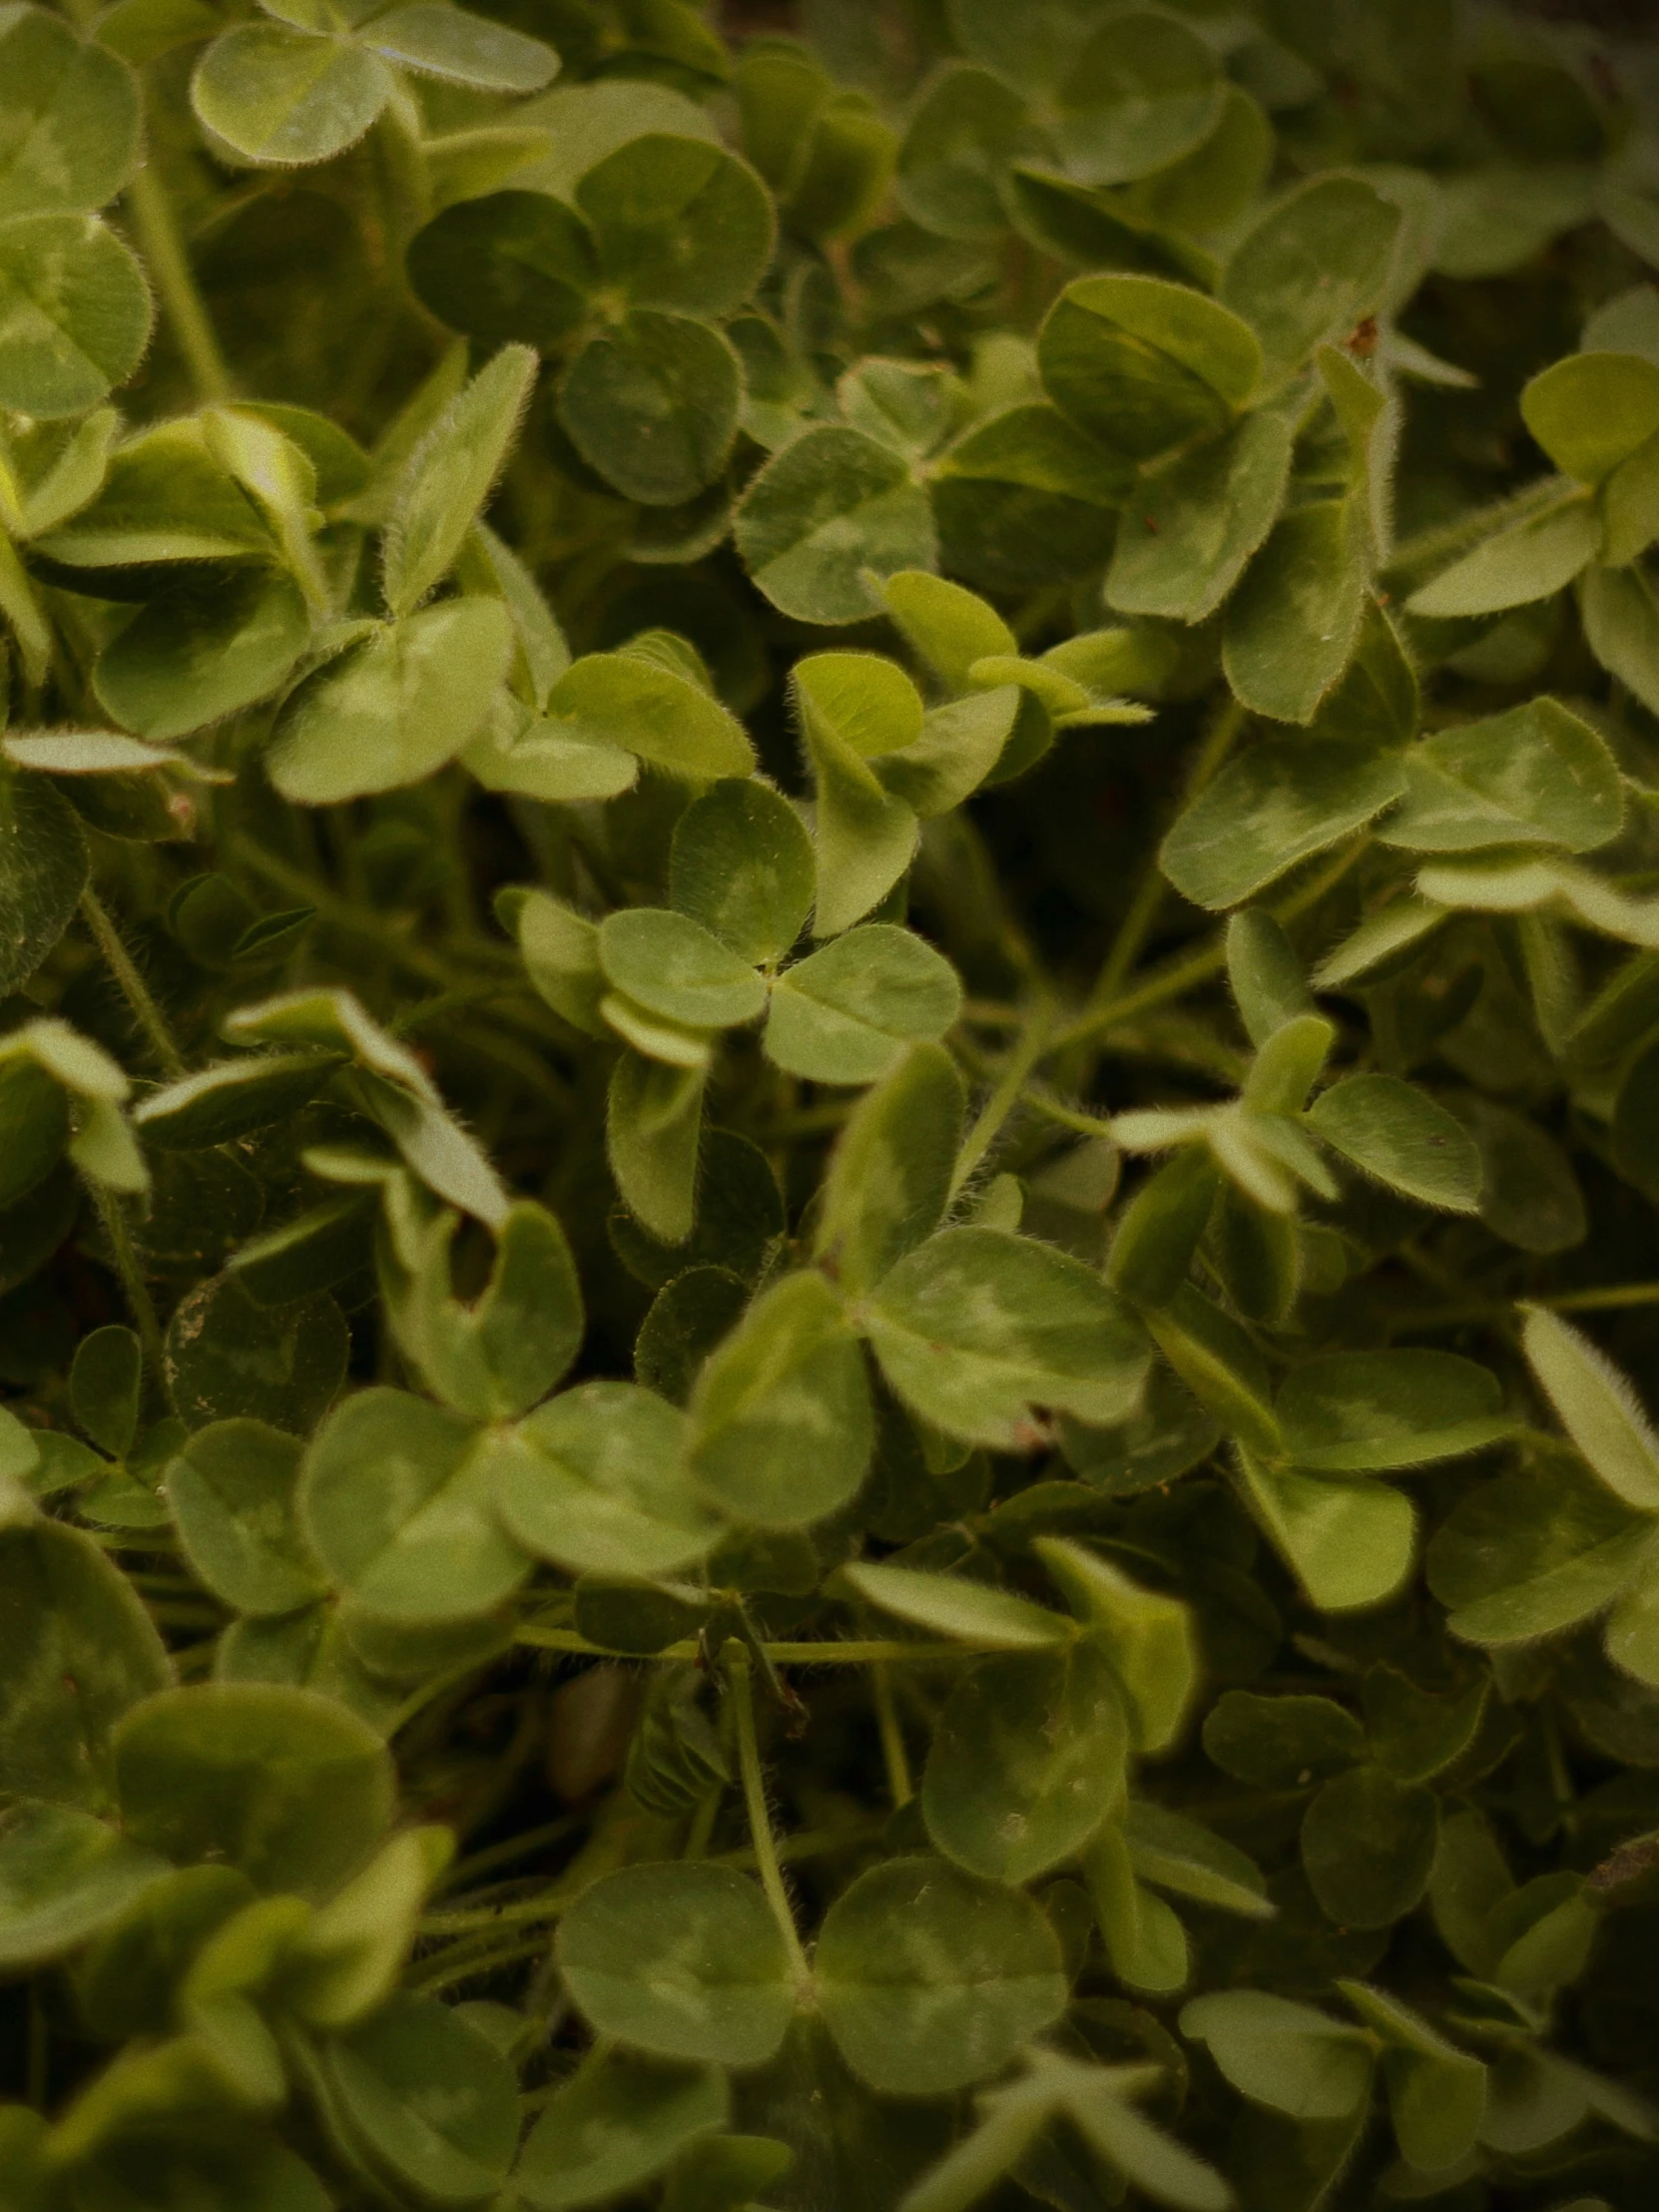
x: 398, y: 1498
x: 976, y: 1328
x: 69, y: 133
x: 1027, y: 1762
x: 284, y: 1784
x: 428, y: 2097
x: 929, y: 1979
x: 283, y: 97
x: 599, y: 1484
x: 75, y: 313
x: 652, y: 404
x: 231, y: 1490
x: 683, y: 1959
x: 831, y: 505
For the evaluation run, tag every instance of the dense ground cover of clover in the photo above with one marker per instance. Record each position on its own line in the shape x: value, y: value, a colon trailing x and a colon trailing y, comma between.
x: 828, y: 1107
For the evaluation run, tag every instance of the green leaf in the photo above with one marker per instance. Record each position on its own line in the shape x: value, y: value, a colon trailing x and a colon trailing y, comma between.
x: 846, y: 1013
x: 284, y: 1784
x: 394, y: 707
x: 450, y: 475
x: 948, y: 626
x: 427, y: 2099
x: 653, y: 1122
x: 231, y: 1490
x: 975, y: 1328
x: 781, y: 1424
x: 889, y: 1179
x: 1621, y: 627
x: 1536, y: 776
x: 1349, y: 1544
x: 1368, y: 1844
x: 1147, y: 1636
x: 106, y: 1379
x: 830, y: 506
x: 75, y: 313
x: 1027, y: 1760
x: 1168, y: 1438
x: 1142, y: 94
x: 1437, y: 2093
x: 965, y: 126
x: 463, y: 47
x: 1145, y: 1941
x: 1531, y: 1552
x: 931, y: 1980
x: 166, y: 499
x: 1143, y: 364
x: 1178, y: 1854
x: 722, y: 2174
x: 196, y: 654
x: 741, y: 867
x: 855, y: 709
x: 1401, y: 1136
x: 680, y: 224
x: 1194, y: 521
x: 1597, y: 1408
x: 672, y: 966
x: 652, y: 404
x: 510, y: 266
x: 626, y: 700
x: 1284, y: 800
x: 1313, y: 267
x: 1023, y: 498
x: 229, y: 1356
x: 64, y: 1877
x: 507, y: 1350
x: 614, y: 2126
x: 682, y: 1961
x: 1290, y: 2058
x: 1294, y: 623
x: 69, y: 136
x: 1354, y: 1413
x: 950, y: 1605
x: 396, y: 1497
x: 77, y: 1650
x: 1591, y: 411
x: 599, y: 1484
x: 1515, y: 566
x: 285, y: 97
x: 1217, y: 1359
x: 232, y: 1099
x: 1159, y: 2167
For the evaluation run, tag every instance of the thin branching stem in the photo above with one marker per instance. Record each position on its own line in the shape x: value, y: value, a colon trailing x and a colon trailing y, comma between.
x: 134, y: 989
x: 738, y: 1674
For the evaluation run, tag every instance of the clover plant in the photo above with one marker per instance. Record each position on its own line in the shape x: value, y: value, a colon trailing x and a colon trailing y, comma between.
x: 828, y: 1106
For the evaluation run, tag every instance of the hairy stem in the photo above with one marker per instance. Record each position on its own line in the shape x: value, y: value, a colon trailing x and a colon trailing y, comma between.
x: 739, y: 1675
x: 895, y: 1756
x: 132, y: 988
x: 1005, y: 1097
x: 139, y: 1304
x: 182, y: 302
x: 1136, y: 926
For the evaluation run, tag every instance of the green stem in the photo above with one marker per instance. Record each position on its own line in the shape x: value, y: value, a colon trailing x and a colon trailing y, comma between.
x: 1181, y: 976
x: 169, y: 264
x: 134, y: 988
x: 1610, y: 1298
x: 759, y: 1823
x: 139, y: 1302
x: 893, y: 1754
x: 1003, y: 1099
x: 828, y: 1654
x: 1135, y: 925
